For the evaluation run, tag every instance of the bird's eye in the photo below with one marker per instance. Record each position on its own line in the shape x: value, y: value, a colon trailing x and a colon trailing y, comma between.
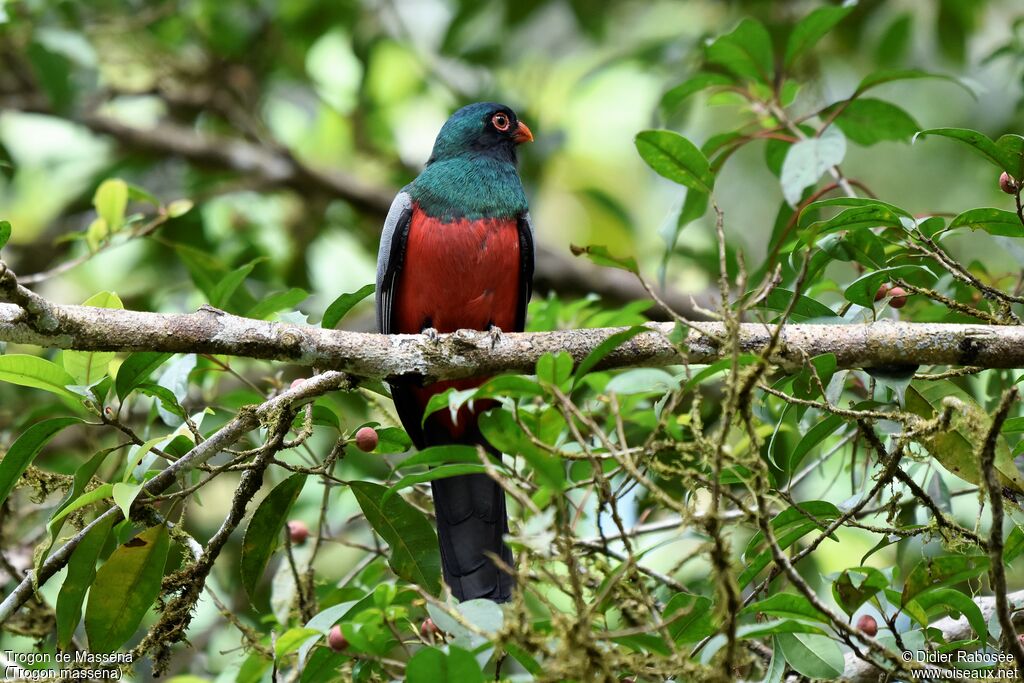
x: 500, y: 122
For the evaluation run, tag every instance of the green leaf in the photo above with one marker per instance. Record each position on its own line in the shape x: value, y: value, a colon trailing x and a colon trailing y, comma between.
x: 323, y: 665
x: 99, y: 493
x: 892, y: 46
x: 441, y: 455
x: 179, y: 207
x: 956, y: 603
x: 785, y: 605
x: 642, y: 381
x: 852, y: 219
x: 883, y: 208
x: 88, y: 367
x: 746, y: 51
x: 1014, y: 544
x: 111, y: 200
x: 992, y: 221
x: 278, y: 301
x: 698, y: 621
x: 812, y: 655
x: 141, y: 194
x: 789, y: 526
x: 811, y: 438
x: 413, y: 544
x: 806, y: 308
x: 980, y: 143
x: 777, y: 668
x: 124, y: 495
x: 24, y: 450
x: 671, y: 100
x: 292, y: 639
x: 955, y: 447
x: 882, y: 76
x: 53, y: 71
x: 136, y: 369
x: 769, y: 628
x: 441, y: 472
x: 125, y: 586
x: 81, y: 573
x: 501, y: 430
x: 5, y: 233
x: 392, y: 440
x: 813, y: 28
x: 168, y: 402
x: 694, y: 206
x: 933, y: 573
x: 554, y: 368
x: 862, y: 291
x: 227, y: 285
x: 857, y: 585
x: 674, y: 157
x: 1013, y: 145
x: 430, y: 665
x: 807, y: 160
x: 867, y: 121
x: 36, y: 372
x: 263, y: 534
x: 343, y: 304
x: 83, y: 476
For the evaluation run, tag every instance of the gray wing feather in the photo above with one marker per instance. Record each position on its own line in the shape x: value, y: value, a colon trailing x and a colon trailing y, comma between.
x: 389, y: 257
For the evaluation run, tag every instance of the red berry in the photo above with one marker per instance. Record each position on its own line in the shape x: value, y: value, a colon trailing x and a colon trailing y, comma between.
x: 429, y: 629
x: 336, y: 639
x: 298, y: 531
x: 899, y: 297
x: 1008, y: 184
x: 883, y: 291
x: 366, y: 439
x: 867, y: 625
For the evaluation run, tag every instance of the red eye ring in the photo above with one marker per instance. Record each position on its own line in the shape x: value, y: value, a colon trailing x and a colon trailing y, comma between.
x: 501, y: 122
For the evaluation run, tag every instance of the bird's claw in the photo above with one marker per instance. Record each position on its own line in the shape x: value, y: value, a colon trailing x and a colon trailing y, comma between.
x: 431, y: 334
x: 495, y: 334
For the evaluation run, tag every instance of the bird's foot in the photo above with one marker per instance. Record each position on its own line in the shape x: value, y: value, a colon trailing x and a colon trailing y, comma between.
x: 495, y: 334
x: 431, y: 334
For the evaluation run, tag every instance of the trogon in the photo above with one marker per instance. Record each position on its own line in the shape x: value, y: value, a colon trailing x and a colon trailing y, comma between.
x: 457, y: 252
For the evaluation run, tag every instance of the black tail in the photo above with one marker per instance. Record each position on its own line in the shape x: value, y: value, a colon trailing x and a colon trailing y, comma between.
x: 471, y: 520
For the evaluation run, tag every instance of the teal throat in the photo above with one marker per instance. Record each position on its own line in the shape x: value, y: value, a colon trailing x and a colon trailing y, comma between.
x: 469, y: 186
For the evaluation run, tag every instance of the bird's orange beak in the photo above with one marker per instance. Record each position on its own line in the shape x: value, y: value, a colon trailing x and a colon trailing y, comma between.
x: 523, y: 134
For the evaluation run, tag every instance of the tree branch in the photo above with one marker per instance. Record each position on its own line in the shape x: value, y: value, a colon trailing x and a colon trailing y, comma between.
x: 226, y: 436
x: 468, y: 353
x: 279, y: 167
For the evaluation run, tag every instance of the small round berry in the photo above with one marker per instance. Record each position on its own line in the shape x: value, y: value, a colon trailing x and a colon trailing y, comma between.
x: 428, y: 629
x: 336, y: 639
x: 899, y: 297
x: 298, y: 532
x: 366, y: 439
x: 867, y: 625
x: 883, y: 291
x: 1008, y: 184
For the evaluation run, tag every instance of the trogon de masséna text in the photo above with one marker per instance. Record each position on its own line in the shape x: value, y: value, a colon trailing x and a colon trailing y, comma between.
x: 457, y: 252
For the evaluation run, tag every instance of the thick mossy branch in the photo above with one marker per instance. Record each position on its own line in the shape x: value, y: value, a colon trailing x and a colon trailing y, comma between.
x: 467, y: 353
